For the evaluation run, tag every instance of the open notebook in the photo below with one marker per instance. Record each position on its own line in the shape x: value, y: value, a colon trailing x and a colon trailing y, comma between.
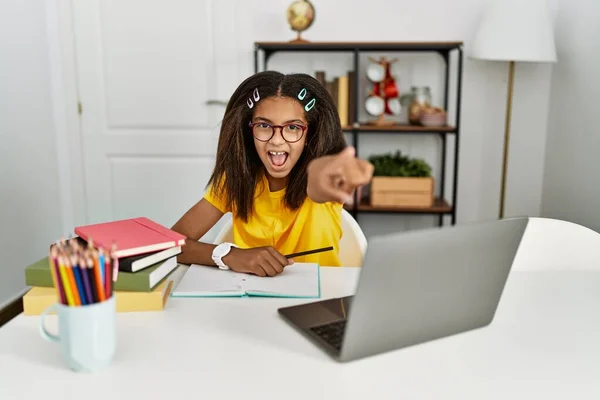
x: 299, y: 280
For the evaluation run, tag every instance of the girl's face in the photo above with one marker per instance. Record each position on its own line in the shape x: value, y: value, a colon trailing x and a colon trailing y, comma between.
x: 279, y: 129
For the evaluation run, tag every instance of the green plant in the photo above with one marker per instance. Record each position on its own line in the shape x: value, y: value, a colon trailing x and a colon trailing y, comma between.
x: 391, y: 164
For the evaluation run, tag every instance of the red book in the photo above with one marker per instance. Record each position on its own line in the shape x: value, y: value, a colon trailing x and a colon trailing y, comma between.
x: 132, y: 236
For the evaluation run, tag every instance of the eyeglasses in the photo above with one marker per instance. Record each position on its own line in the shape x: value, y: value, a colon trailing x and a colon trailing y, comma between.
x: 291, y: 133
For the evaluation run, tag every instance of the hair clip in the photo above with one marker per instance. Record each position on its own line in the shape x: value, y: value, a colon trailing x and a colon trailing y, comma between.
x: 256, y: 97
x: 302, y: 94
x: 310, y: 105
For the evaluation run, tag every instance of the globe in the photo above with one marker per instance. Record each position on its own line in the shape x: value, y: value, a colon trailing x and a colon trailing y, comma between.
x: 300, y: 16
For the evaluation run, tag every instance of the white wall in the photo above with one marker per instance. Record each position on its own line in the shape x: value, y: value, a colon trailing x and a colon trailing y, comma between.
x: 30, y: 200
x: 571, y: 190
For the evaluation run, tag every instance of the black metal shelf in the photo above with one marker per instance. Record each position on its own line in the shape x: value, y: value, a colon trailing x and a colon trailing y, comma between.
x: 401, y: 129
x: 362, y: 46
x: 441, y: 207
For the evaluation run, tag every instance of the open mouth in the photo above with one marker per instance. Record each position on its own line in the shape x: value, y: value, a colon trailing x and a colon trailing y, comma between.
x: 278, y: 158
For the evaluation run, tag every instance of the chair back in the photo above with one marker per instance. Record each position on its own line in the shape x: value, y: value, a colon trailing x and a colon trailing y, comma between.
x: 226, y: 233
x: 353, y: 244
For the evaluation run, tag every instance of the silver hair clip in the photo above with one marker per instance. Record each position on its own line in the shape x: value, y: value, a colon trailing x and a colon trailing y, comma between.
x: 310, y: 105
x: 256, y: 97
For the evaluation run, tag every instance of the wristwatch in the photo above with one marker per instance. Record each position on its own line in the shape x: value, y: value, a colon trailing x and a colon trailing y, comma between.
x: 221, y: 251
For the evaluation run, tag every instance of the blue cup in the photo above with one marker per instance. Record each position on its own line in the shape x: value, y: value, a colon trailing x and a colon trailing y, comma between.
x: 87, y: 334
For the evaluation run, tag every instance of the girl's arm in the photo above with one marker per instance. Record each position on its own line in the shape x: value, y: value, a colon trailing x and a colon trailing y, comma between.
x: 194, y: 224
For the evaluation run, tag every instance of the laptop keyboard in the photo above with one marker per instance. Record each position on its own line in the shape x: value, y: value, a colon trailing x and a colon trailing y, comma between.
x: 332, y: 333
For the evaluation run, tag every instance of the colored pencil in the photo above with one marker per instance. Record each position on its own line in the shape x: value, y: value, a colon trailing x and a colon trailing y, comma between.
x: 98, y: 277
x: 105, y: 274
x: 108, y: 277
x: 61, y: 284
x: 71, y: 277
x: 85, y: 277
x: 53, y: 255
x: 78, y: 280
x: 305, y: 253
x: 115, y: 262
x: 103, y: 271
x: 89, y: 264
x: 65, y: 281
x: 53, y: 260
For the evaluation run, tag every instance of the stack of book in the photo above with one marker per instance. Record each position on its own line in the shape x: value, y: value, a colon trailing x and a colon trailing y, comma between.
x: 146, y: 254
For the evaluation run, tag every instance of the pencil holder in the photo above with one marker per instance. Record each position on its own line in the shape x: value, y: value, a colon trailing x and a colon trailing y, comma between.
x: 87, y: 334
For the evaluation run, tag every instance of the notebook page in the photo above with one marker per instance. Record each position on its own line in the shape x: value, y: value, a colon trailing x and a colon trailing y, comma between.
x: 201, y: 280
x: 297, y: 280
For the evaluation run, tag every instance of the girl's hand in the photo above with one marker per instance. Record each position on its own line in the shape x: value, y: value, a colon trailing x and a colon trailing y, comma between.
x: 261, y: 261
x: 335, y: 177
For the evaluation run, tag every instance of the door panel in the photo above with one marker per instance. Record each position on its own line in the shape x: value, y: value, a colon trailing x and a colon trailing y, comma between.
x: 155, y: 67
x: 145, y: 73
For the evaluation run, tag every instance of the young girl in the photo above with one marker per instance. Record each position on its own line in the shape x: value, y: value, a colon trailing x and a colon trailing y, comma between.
x: 283, y: 170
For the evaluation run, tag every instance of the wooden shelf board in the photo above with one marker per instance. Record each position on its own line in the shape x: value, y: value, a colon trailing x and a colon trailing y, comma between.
x: 440, y: 206
x: 366, y: 128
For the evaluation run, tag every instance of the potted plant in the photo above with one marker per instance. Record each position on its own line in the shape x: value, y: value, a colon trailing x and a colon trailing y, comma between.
x: 399, y: 180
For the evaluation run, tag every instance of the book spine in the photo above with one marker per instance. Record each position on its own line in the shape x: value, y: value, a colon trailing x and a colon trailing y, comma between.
x: 35, y: 304
x: 125, y: 282
x: 38, y: 278
x: 125, y: 265
x: 342, y: 102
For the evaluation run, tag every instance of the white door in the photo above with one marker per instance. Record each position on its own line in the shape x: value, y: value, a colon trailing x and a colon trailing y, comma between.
x: 147, y: 71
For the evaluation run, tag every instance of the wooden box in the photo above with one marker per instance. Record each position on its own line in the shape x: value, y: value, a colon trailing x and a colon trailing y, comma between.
x: 401, y: 192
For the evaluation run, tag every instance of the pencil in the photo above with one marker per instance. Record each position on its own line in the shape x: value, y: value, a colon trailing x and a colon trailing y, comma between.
x: 78, y: 280
x: 65, y: 281
x: 115, y: 261
x: 73, y: 283
x: 55, y: 274
x: 305, y: 253
x: 85, y: 277
x: 100, y: 255
x: 109, y: 275
x: 98, y: 277
x: 89, y: 266
x: 74, y: 245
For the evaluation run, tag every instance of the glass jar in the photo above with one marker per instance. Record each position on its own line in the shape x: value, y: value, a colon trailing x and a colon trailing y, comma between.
x: 421, y: 98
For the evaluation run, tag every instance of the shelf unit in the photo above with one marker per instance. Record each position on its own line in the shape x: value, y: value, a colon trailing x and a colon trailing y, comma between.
x: 441, y: 207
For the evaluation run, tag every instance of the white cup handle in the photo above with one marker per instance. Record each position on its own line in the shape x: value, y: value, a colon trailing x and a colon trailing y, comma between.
x: 43, y: 331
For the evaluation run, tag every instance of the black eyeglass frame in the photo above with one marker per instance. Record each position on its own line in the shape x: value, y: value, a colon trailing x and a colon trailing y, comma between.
x: 302, y: 126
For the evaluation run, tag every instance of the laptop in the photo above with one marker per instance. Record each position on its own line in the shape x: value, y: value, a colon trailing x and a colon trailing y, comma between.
x: 415, y: 287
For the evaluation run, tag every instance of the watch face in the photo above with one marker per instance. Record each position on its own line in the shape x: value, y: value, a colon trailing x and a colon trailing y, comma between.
x: 222, y: 249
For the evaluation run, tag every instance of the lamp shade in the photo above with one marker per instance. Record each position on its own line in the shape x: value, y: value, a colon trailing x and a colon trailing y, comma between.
x: 515, y: 30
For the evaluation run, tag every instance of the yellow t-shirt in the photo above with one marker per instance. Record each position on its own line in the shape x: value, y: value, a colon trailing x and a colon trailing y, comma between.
x: 271, y: 223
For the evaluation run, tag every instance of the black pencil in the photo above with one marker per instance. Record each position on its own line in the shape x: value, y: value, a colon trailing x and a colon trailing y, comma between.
x: 304, y: 253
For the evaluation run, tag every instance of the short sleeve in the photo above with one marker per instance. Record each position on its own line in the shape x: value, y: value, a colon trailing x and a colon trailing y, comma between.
x: 216, y: 199
x: 335, y: 209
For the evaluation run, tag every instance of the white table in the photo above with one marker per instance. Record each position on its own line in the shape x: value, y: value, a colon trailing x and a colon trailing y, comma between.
x: 543, y: 344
